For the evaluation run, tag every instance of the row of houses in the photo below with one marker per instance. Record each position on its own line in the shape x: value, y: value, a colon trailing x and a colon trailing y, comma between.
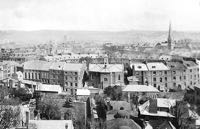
x: 177, y: 74
x: 72, y: 76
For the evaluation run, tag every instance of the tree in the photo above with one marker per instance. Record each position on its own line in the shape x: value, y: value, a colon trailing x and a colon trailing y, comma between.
x: 183, y: 117
x: 115, y: 93
x: 22, y: 93
x: 9, y: 116
x: 49, y: 109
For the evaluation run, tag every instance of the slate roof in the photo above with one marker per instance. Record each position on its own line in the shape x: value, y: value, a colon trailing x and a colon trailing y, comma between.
x: 106, y: 69
x: 156, y: 66
x: 73, y: 67
x: 139, y: 66
x: 176, y: 65
x: 37, y: 65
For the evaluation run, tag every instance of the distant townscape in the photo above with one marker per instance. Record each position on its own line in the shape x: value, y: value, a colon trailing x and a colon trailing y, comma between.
x: 100, y: 84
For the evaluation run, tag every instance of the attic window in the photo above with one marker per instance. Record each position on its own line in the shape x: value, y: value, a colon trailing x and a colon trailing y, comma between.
x: 153, y: 66
x: 139, y: 67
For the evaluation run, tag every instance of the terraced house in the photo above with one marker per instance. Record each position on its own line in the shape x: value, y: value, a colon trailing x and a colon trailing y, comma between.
x: 176, y: 75
x: 67, y: 75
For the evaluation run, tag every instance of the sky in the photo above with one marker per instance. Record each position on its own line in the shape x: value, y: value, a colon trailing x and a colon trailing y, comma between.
x: 100, y: 15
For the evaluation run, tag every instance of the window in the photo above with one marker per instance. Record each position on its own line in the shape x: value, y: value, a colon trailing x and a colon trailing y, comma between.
x: 139, y: 67
x: 76, y: 78
x: 160, y: 79
x: 190, y: 70
x: 153, y: 67
x: 154, y: 85
x: 180, y: 78
x: 66, y: 78
x: 25, y: 75
x: 174, y: 84
x: 165, y: 72
x: 75, y: 73
x: 174, y: 72
x: 119, y: 78
x: 165, y: 78
x: 165, y: 84
x: 136, y: 73
x: 154, y: 79
x: 76, y: 84
x: 160, y: 72
x: 36, y: 76
x: 105, y: 79
x: 174, y: 78
x: 154, y: 72
x: 71, y: 84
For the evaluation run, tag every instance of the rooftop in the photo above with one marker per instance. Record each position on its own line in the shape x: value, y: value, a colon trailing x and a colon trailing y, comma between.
x: 156, y: 66
x: 52, y: 124
x: 108, y: 68
x: 139, y: 66
x: 140, y: 88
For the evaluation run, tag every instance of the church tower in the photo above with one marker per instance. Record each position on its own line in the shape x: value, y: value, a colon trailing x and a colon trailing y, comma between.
x: 169, y: 39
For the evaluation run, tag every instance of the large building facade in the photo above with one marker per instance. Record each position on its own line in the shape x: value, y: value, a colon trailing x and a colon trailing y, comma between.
x: 176, y: 75
x: 67, y: 75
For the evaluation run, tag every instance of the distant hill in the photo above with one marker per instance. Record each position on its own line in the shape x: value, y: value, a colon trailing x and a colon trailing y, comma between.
x: 44, y: 36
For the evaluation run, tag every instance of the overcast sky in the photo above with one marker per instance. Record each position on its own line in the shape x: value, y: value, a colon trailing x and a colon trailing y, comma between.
x: 106, y: 15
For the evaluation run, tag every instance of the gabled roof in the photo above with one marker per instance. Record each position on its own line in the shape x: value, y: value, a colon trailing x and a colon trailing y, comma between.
x: 108, y: 68
x: 156, y: 66
x: 139, y: 66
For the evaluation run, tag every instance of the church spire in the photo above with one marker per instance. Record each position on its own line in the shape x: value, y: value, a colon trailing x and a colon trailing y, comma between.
x: 169, y: 39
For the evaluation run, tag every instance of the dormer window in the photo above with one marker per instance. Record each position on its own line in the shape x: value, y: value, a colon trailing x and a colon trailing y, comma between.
x: 153, y: 67
x: 139, y: 67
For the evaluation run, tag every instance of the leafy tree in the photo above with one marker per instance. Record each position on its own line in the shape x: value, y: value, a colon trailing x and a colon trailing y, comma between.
x: 115, y: 93
x: 22, y: 93
x: 49, y: 109
x: 9, y: 117
x: 184, y: 120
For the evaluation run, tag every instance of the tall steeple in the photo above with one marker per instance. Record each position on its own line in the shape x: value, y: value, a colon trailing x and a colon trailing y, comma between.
x: 169, y: 39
